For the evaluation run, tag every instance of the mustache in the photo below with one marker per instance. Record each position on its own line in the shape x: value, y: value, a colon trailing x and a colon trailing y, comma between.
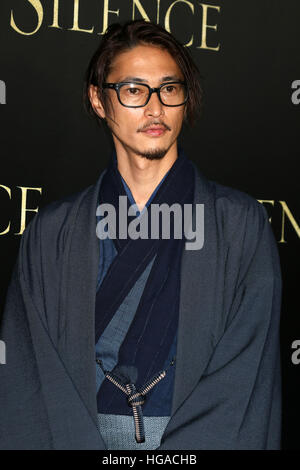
x: 150, y: 124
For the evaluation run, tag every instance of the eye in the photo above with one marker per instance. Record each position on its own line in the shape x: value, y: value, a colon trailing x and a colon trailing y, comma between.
x: 133, y: 91
x: 171, y: 89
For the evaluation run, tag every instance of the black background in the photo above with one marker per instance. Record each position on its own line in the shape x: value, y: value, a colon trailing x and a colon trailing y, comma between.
x: 247, y: 136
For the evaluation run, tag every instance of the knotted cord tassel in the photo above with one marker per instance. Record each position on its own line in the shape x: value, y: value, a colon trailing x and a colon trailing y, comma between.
x: 135, y: 398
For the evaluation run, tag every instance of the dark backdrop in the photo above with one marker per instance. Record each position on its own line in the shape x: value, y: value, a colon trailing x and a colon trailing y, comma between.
x: 248, y: 135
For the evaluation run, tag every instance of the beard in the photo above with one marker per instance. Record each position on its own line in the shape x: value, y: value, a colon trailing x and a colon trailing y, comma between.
x: 150, y: 154
x: 153, y: 154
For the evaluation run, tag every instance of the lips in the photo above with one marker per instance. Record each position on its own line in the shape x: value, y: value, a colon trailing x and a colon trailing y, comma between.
x: 155, y: 131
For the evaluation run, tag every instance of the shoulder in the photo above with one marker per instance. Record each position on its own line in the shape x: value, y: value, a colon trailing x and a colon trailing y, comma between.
x: 61, y: 214
x: 239, y: 205
x: 244, y: 220
x: 234, y: 210
x: 232, y: 200
x: 241, y: 226
x: 58, y: 212
x: 233, y: 217
x: 49, y: 229
x: 46, y: 241
x: 224, y: 197
x: 247, y: 230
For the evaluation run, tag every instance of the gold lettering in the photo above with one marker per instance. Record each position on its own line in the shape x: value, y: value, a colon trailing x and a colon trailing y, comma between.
x: 39, y: 10
x: 205, y: 27
x: 188, y: 44
x: 286, y: 211
x: 24, y: 208
x: 9, y: 193
x: 75, y: 20
x: 137, y: 4
x: 157, y: 11
x: 267, y: 201
x: 106, y: 11
x: 55, y: 15
x: 168, y: 13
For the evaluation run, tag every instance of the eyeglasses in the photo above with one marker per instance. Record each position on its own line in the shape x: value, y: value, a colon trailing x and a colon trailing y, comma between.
x: 137, y: 95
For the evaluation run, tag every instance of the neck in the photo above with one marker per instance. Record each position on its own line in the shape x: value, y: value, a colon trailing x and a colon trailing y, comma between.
x: 143, y: 175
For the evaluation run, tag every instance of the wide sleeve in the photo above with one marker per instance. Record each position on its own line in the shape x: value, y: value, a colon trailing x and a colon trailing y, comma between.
x: 239, y: 394
x: 236, y: 403
x: 23, y: 417
x: 41, y: 405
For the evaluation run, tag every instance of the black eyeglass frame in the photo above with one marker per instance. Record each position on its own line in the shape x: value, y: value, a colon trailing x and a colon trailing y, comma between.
x: 117, y: 86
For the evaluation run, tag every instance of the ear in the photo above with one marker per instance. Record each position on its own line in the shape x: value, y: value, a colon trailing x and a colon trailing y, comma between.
x: 95, y: 101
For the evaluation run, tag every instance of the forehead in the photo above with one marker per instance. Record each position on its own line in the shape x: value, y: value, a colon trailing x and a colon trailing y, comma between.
x: 149, y: 63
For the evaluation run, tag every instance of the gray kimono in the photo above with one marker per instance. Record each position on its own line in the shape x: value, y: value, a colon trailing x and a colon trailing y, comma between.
x: 227, y: 392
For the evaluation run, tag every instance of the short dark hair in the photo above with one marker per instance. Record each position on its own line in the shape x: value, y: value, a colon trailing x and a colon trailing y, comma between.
x: 121, y: 37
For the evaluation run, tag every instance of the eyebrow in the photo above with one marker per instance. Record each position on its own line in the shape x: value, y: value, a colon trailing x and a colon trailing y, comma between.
x: 167, y: 78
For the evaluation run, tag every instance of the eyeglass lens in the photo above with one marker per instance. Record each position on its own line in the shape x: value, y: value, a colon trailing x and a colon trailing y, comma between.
x: 133, y: 94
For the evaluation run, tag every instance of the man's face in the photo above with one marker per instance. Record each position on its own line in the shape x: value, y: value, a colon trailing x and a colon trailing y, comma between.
x: 150, y: 131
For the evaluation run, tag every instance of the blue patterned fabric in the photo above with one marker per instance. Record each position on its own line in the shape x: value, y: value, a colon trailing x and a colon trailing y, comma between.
x: 107, y: 247
x: 118, y: 432
x: 159, y: 399
x: 136, y: 316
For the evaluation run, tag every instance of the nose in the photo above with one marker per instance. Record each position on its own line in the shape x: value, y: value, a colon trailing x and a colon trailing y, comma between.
x: 154, y: 107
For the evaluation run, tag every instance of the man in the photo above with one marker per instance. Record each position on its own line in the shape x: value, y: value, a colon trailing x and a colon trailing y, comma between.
x: 118, y: 342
